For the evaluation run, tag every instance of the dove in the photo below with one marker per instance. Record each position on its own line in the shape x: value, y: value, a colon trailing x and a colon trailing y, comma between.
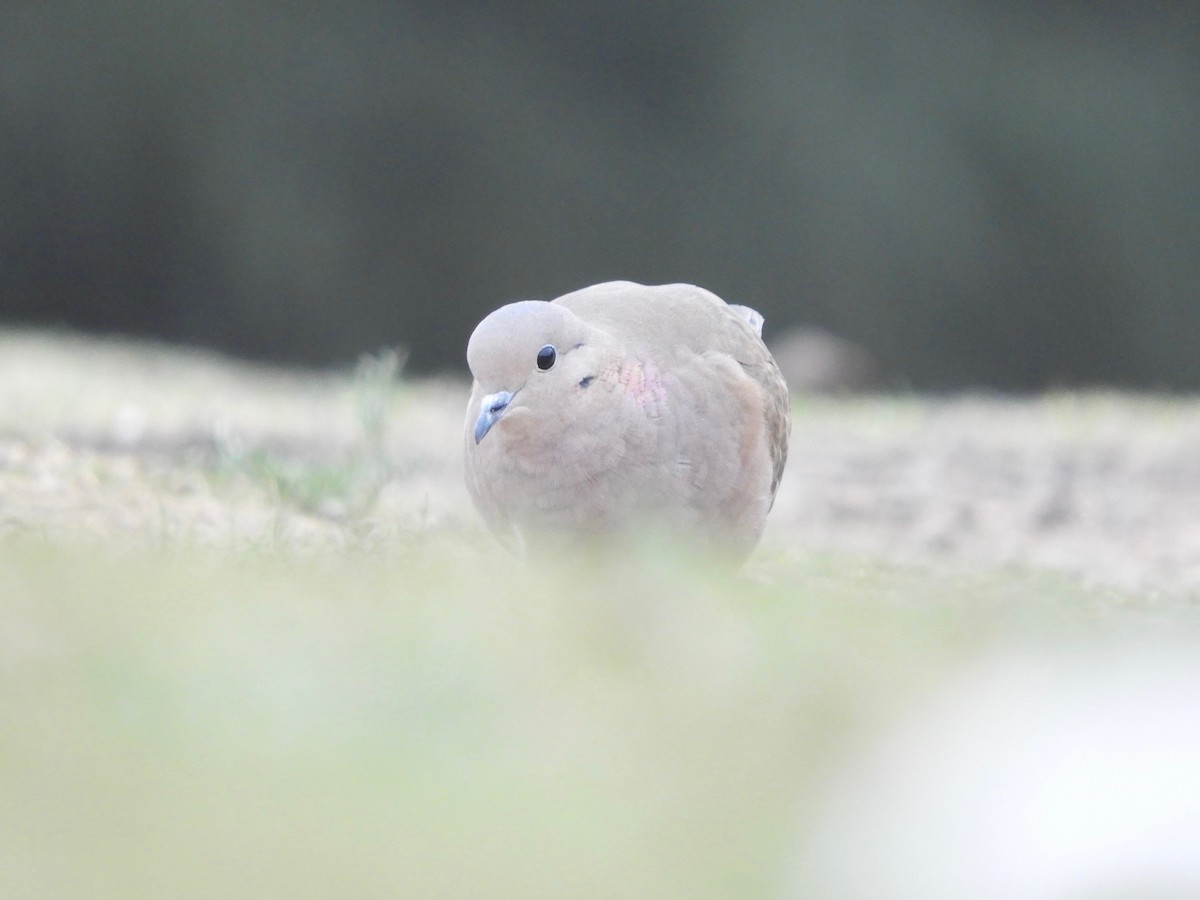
x: 622, y: 407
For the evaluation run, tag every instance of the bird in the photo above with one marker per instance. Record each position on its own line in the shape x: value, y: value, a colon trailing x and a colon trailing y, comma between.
x: 623, y: 407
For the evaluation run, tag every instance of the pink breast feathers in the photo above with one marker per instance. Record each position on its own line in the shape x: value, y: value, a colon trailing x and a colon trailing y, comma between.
x: 642, y: 383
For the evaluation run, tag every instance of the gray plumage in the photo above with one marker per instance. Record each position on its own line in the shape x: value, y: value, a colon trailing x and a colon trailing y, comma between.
x: 660, y: 406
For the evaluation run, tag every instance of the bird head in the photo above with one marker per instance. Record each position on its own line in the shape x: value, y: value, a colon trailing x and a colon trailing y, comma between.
x: 531, y: 362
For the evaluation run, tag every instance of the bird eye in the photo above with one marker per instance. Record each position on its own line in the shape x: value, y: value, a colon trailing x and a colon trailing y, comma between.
x: 546, y: 357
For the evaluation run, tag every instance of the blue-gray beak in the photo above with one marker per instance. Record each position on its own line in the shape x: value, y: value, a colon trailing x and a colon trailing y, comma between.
x: 491, y: 409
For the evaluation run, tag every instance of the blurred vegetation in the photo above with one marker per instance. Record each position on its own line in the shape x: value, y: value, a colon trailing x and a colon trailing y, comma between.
x: 995, y: 193
x: 437, y: 722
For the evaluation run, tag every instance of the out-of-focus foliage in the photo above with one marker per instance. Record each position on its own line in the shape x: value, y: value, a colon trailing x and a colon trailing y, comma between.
x: 441, y: 722
x: 988, y: 193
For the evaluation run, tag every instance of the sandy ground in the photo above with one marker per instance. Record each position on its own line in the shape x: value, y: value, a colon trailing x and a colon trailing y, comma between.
x: 159, y: 445
x: 1101, y: 486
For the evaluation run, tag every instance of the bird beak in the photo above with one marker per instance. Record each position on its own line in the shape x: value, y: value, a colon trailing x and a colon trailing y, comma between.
x: 491, y: 408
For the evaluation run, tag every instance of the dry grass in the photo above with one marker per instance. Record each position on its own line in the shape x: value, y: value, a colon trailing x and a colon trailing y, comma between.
x: 254, y: 643
x: 155, y: 445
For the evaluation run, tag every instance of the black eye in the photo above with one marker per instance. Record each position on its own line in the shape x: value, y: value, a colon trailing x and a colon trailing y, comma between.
x: 546, y: 357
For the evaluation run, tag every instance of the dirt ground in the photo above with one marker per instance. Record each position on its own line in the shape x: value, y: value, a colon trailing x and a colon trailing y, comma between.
x: 161, y: 446
x: 1105, y: 487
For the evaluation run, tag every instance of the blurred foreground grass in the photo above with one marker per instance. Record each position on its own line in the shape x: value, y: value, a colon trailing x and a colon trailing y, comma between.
x: 443, y: 723
x: 254, y: 643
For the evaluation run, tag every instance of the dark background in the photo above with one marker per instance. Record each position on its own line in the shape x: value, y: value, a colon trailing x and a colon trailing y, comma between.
x: 998, y: 193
